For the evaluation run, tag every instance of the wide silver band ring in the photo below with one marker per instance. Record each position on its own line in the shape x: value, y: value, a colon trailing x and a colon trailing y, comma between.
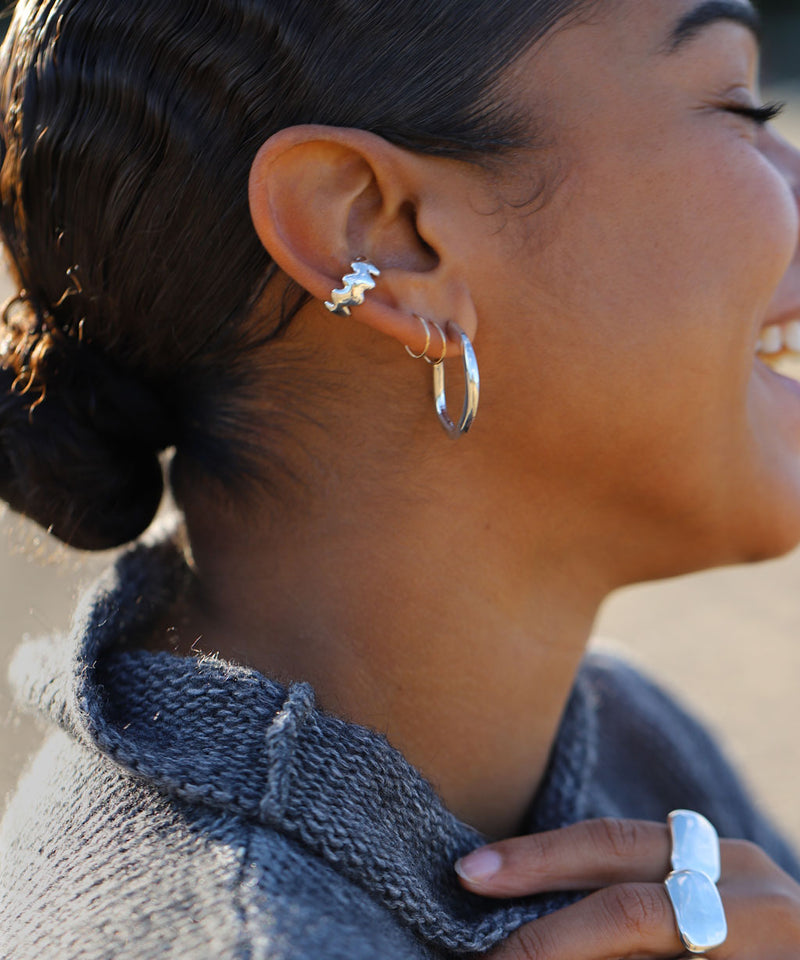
x: 692, y: 882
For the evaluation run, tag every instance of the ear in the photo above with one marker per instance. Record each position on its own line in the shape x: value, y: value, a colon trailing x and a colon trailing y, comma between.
x: 322, y: 197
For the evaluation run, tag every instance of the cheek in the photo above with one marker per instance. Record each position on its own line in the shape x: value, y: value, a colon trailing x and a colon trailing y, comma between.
x: 687, y: 247
x: 644, y: 298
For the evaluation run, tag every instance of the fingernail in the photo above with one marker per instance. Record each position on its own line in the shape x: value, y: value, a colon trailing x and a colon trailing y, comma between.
x: 479, y: 866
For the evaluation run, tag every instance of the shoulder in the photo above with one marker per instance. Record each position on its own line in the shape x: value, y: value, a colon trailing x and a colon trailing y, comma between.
x: 94, y: 864
x: 654, y: 756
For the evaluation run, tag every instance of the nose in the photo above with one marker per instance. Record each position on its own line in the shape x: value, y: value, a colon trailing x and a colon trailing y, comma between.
x: 783, y: 155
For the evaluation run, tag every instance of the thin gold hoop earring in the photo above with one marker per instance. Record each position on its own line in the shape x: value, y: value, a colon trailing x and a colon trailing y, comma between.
x: 427, y: 329
x: 443, y: 335
x: 472, y: 389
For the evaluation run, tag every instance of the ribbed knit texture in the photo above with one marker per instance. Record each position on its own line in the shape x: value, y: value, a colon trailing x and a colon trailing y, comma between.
x: 193, y: 808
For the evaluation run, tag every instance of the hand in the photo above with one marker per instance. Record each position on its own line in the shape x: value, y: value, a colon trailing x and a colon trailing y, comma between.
x: 630, y: 915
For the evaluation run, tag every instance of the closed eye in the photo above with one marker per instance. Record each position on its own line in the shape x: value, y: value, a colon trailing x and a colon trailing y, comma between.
x: 759, y: 115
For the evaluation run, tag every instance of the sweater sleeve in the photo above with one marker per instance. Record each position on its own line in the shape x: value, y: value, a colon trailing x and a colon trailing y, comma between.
x: 654, y: 757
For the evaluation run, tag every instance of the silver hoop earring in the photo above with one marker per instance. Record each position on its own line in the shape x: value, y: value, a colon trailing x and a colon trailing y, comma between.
x: 472, y: 389
x: 427, y: 329
x: 355, y: 286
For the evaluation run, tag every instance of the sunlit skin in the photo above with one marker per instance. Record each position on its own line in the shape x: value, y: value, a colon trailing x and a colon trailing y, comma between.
x: 444, y: 592
x: 660, y: 254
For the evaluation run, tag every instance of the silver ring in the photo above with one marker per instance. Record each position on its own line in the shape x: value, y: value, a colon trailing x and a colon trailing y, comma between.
x: 692, y: 882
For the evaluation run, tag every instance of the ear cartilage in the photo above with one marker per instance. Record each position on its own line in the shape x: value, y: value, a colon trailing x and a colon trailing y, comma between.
x: 356, y: 285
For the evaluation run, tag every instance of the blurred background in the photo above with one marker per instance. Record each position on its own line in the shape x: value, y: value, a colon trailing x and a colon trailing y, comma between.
x: 726, y: 642
x: 781, y: 36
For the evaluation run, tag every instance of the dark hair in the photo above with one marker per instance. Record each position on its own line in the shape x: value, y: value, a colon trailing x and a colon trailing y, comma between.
x: 128, y: 132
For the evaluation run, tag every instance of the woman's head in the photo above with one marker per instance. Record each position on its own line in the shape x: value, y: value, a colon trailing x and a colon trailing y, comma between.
x: 595, y: 205
x: 129, y: 132
x: 617, y: 311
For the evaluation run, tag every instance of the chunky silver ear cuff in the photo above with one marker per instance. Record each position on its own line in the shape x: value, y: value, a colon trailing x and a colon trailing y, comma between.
x: 354, y: 289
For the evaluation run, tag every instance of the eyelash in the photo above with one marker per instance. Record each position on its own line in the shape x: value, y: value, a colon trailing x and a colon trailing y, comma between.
x: 759, y: 115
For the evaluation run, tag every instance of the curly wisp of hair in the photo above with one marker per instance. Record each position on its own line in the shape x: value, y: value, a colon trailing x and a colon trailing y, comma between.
x: 127, y: 132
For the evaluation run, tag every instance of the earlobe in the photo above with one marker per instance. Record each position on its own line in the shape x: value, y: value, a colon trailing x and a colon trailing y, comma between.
x: 337, y: 211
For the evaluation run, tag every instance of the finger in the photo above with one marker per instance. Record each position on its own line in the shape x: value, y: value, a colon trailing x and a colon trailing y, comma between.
x: 586, y: 856
x: 623, y: 921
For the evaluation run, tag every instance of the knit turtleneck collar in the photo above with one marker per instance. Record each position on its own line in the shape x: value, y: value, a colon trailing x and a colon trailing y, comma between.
x: 209, y: 732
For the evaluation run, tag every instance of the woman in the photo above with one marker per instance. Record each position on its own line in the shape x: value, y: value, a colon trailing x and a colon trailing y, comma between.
x: 584, y: 190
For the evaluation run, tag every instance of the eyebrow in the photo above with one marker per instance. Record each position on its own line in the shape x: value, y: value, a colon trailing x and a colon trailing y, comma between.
x: 713, y: 11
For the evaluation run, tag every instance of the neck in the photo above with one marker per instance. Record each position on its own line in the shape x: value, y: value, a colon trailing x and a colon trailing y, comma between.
x: 436, y: 635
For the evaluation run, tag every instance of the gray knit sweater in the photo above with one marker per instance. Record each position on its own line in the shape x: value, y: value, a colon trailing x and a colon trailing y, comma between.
x: 189, y: 808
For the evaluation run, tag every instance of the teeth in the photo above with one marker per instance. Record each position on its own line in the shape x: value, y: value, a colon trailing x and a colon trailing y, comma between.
x: 771, y: 340
x: 779, y: 337
x: 791, y: 336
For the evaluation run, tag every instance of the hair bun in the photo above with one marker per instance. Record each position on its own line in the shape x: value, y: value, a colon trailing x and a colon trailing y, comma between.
x: 79, y: 439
